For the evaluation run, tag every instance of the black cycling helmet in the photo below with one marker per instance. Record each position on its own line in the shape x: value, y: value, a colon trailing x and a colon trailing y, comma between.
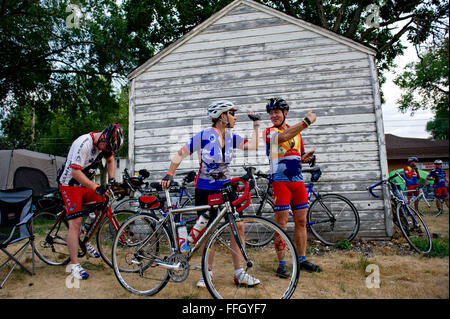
x: 277, y: 104
x: 113, y: 136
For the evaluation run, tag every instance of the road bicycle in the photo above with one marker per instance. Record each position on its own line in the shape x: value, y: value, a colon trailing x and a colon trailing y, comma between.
x: 146, y: 251
x: 417, y: 198
x: 331, y: 218
x: 50, y: 232
x: 406, y: 218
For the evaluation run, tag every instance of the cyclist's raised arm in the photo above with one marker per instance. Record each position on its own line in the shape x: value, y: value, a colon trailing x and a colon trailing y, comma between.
x: 297, y: 128
x: 253, y: 143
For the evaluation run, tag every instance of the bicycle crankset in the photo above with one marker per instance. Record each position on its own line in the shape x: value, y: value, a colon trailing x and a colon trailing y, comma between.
x: 180, y: 271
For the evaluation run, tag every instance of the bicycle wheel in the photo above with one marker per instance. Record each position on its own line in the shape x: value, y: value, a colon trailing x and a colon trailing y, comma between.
x: 136, y: 254
x: 127, y: 204
x: 263, y: 262
x: 414, y: 229
x: 106, y: 233
x: 50, y: 238
x: 333, y: 218
x: 262, y: 236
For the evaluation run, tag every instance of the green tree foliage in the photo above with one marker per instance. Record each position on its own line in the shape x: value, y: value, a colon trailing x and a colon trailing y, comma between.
x: 61, y: 74
x: 426, y: 85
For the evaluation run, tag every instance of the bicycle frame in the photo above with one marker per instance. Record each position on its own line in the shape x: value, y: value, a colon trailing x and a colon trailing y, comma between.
x: 169, y: 219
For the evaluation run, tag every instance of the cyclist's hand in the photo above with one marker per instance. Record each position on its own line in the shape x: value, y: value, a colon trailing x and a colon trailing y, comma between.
x: 165, y: 182
x: 307, y: 157
x: 311, y: 116
x: 101, y: 190
x: 253, y: 116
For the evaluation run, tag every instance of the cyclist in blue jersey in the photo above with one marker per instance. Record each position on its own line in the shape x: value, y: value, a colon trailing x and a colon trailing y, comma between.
x: 440, y: 183
x: 214, y: 147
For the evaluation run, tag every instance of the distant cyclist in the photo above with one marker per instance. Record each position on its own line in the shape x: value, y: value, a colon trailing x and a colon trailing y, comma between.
x: 411, y: 175
x: 214, y: 147
x: 440, y: 184
x: 77, y: 188
x: 286, y: 152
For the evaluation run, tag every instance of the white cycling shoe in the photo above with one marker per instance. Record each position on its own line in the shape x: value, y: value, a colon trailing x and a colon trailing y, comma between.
x: 91, y: 251
x: 78, y: 272
x: 201, y: 282
x: 245, y: 279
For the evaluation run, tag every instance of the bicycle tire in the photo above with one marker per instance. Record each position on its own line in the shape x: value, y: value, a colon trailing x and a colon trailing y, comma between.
x: 417, y: 239
x: 264, y: 259
x: 346, y: 224
x: 127, y: 204
x: 135, y: 266
x: 265, y: 237
x: 51, y: 247
x: 106, y: 233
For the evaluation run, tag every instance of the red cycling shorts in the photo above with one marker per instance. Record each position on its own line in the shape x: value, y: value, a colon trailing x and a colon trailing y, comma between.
x: 441, y: 192
x: 412, y: 190
x: 289, y: 194
x: 75, y: 197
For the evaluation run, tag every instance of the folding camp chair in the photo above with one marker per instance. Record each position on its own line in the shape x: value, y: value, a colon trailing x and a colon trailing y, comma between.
x: 16, y: 225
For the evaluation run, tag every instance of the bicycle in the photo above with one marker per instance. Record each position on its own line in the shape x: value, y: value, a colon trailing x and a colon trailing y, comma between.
x: 50, y: 232
x: 331, y: 218
x: 417, y: 198
x: 408, y: 220
x: 146, y: 253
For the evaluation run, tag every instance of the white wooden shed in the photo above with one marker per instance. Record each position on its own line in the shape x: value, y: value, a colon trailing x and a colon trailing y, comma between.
x: 247, y: 53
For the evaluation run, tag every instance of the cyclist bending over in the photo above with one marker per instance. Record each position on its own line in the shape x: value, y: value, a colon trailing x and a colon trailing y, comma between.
x: 284, y: 147
x: 77, y: 188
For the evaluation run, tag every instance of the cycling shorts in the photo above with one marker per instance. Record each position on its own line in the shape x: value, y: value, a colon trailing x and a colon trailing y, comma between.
x: 412, y: 190
x: 441, y: 192
x: 289, y: 194
x: 75, y: 197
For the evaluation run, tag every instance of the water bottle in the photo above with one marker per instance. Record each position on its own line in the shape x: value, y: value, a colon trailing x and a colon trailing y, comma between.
x: 183, y: 243
x: 199, y: 228
x: 174, y: 201
x: 88, y: 222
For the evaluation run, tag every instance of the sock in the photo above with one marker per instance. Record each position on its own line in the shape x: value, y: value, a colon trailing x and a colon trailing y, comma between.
x: 301, y: 258
x: 282, y: 263
x: 238, y: 272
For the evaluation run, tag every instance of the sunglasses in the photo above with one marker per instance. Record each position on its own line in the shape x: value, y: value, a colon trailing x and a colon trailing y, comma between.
x: 232, y: 113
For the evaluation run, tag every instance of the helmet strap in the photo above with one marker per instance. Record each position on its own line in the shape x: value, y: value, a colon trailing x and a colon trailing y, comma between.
x: 227, y: 122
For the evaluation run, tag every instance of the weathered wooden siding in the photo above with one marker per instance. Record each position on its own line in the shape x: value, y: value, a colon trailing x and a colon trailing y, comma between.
x: 246, y: 56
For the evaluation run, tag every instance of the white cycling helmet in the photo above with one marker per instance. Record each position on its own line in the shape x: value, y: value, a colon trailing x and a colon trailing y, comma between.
x: 217, y: 108
x: 438, y: 161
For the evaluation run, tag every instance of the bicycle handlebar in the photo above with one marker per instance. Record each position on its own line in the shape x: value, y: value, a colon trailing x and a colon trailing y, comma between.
x: 370, y: 188
x: 245, y: 197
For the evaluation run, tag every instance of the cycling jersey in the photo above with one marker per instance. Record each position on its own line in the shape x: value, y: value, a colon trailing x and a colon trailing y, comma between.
x: 411, y: 175
x: 285, y: 159
x: 82, y: 155
x: 438, y: 174
x: 214, y: 160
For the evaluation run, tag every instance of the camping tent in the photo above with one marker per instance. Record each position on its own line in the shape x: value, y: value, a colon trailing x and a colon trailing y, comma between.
x: 23, y: 168
x: 423, y: 178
